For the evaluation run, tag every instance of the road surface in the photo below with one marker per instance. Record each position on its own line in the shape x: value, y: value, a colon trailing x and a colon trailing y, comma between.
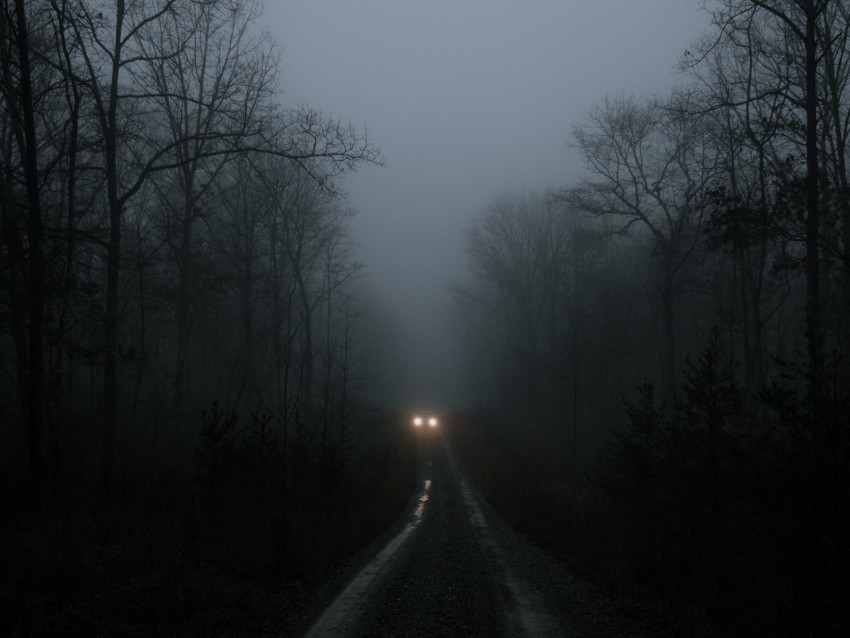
x: 455, y: 569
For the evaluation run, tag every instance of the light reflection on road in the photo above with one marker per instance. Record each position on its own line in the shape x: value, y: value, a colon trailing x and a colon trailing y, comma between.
x: 420, y: 506
x: 341, y: 614
x: 526, y: 612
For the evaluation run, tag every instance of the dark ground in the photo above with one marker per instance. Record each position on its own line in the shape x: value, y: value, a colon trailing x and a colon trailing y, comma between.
x: 446, y: 582
x: 173, y: 558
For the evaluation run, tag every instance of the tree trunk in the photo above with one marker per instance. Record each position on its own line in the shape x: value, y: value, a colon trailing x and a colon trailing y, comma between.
x: 813, y: 318
x: 113, y: 269
x: 55, y: 406
x: 36, y: 267
x: 667, y: 293
x: 110, y: 355
x: 839, y: 133
x: 308, y: 351
x: 185, y: 271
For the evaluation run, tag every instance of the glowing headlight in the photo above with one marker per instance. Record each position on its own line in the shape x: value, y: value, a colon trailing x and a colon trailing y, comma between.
x: 432, y: 422
x: 417, y: 421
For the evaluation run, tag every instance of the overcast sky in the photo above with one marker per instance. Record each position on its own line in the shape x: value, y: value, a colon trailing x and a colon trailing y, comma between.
x: 467, y: 99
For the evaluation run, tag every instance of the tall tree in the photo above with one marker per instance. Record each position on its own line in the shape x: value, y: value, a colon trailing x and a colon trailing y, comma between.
x: 210, y: 92
x: 517, y: 248
x: 21, y: 105
x: 794, y: 56
x: 749, y: 237
x: 653, y: 167
x: 119, y: 46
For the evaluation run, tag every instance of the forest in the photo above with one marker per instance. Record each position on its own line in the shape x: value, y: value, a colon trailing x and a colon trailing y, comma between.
x: 674, y: 330
x: 657, y: 354
x: 183, y: 356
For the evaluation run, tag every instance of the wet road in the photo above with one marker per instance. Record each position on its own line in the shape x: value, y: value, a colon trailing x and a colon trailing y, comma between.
x: 455, y: 569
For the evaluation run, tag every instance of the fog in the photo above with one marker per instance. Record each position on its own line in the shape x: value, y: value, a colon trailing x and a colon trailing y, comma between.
x: 466, y: 100
x: 243, y: 243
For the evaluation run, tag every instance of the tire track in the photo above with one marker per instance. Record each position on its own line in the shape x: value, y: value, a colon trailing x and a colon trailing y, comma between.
x: 526, y: 613
x: 344, y: 611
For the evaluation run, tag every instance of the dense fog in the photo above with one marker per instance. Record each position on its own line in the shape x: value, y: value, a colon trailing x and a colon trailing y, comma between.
x: 604, y: 245
x: 467, y: 101
x: 398, y: 124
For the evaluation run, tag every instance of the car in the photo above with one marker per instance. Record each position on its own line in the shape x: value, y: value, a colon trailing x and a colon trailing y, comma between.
x: 425, y: 421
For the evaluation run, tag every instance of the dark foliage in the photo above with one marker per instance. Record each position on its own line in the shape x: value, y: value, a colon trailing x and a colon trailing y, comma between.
x: 734, y: 503
x: 725, y: 517
x: 226, y: 551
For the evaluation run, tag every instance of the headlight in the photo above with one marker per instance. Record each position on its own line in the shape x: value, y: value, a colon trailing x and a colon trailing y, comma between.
x: 432, y: 422
x: 417, y: 421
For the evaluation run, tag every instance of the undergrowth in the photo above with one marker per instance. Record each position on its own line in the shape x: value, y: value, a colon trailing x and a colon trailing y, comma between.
x: 187, y: 557
x: 699, y: 522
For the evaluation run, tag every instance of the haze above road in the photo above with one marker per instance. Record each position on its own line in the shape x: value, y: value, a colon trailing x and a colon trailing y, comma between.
x: 466, y: 100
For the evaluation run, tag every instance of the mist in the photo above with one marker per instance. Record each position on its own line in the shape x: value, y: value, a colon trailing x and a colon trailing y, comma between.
x: 381, y: 318
x: 467, y: 101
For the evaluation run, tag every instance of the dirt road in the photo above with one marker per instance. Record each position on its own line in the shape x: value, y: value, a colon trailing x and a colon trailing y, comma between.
x: 455, y: 569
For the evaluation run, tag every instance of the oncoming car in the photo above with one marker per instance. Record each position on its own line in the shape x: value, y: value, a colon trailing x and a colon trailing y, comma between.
x: 425, y: 421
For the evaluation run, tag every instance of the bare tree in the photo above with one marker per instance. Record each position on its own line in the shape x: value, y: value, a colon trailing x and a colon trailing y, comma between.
x: 19, y: 100
x: 653, y: 168
x: 517, y: 248
x: 118, y: 45
x: 794, y: 53
x: 210, y: 92
x: 747, y: 228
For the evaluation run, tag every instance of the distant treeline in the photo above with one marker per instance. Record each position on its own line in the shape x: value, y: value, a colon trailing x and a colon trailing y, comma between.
x: 701, y: 274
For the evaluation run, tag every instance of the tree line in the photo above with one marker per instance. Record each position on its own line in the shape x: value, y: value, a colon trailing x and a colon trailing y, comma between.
x: 171, y: 235
x: 701, y: 274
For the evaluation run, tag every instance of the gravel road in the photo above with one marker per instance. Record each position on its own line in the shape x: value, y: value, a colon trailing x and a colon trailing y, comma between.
x: 453, y: 568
